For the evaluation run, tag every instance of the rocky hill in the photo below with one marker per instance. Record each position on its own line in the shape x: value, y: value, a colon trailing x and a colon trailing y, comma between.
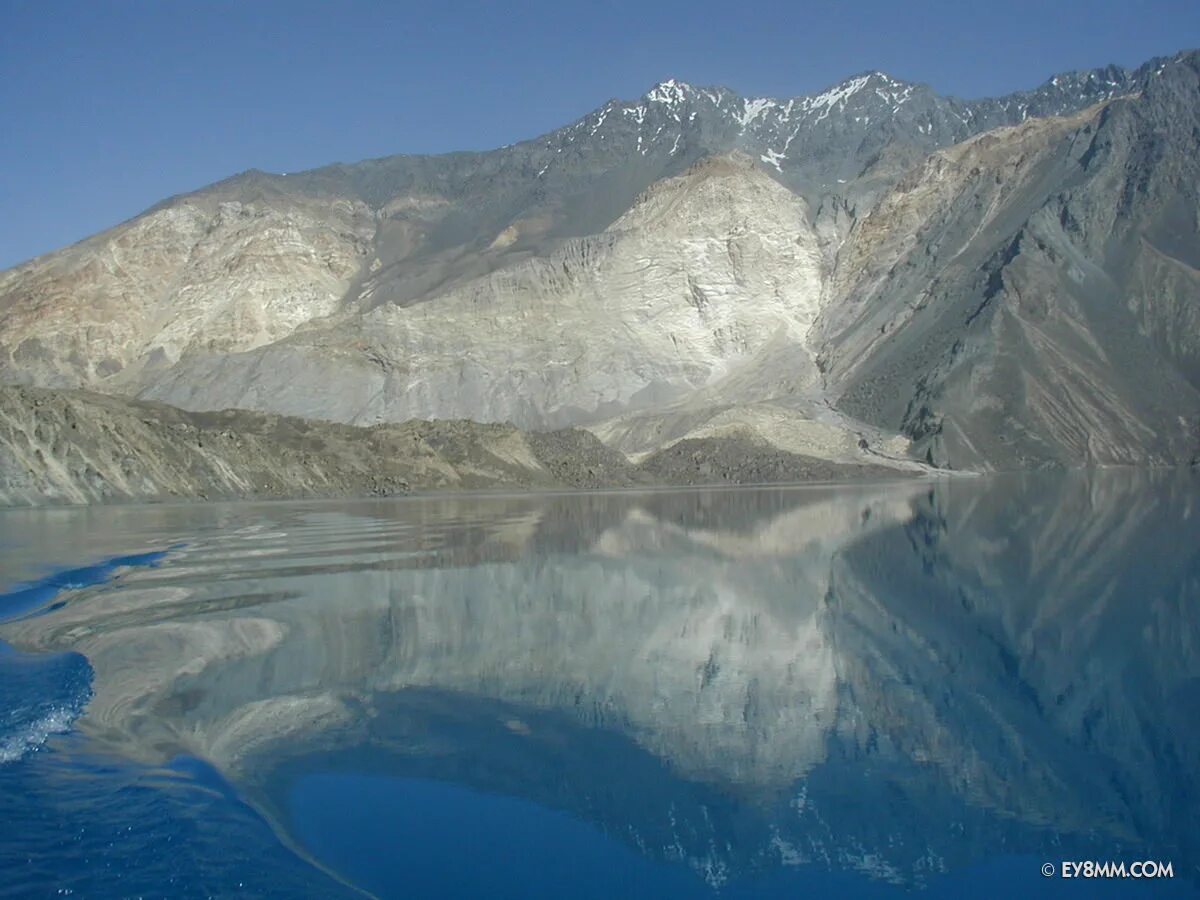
x: 77, y: 447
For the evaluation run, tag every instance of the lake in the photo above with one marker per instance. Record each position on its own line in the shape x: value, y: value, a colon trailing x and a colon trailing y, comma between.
x: 882, y: 690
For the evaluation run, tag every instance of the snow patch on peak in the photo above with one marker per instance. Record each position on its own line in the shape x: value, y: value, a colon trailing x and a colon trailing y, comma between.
x: 839, y: 93
x: 752, y: 109
x: 600, y: 119
x: 670, y: 92
x: 895, y: 93
x: 888, y: 79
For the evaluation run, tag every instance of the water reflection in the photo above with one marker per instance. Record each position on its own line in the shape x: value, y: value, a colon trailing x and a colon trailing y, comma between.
x: 899, y: 681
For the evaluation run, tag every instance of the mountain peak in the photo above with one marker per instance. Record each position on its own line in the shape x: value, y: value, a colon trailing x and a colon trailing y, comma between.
x: 670, y: 92
x: 876, y: 75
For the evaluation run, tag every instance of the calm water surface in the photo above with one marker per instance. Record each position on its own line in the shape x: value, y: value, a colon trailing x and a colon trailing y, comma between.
x: 879, y: 691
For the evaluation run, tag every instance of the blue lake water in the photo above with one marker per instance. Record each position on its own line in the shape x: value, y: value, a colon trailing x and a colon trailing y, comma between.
x: 919, y: 689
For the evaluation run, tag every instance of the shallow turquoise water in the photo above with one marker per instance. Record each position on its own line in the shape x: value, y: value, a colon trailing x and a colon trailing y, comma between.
x: 861, y: 691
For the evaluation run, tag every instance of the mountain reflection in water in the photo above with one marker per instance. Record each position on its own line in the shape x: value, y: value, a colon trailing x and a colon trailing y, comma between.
x: 668, y: 693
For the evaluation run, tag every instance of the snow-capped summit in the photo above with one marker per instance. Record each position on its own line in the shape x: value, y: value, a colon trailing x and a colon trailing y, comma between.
x: 669, y: 92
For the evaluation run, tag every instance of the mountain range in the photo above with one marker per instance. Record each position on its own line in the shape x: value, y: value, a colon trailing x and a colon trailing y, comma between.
x: 874, y: 274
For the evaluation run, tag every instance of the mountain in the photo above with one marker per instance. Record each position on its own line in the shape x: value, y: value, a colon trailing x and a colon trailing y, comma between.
x: 874, y: 272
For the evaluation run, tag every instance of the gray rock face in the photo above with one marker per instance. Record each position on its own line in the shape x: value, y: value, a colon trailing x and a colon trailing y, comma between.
x: 1032, y: 296
x: 1005, y: 282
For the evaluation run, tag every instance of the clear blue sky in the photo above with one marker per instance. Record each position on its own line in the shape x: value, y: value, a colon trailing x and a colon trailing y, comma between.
x: 107, y: 107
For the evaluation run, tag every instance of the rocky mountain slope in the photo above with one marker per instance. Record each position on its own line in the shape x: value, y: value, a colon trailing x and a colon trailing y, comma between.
x: 79, y: 447
x: 1033, y: 294
x: 1001, y: 283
